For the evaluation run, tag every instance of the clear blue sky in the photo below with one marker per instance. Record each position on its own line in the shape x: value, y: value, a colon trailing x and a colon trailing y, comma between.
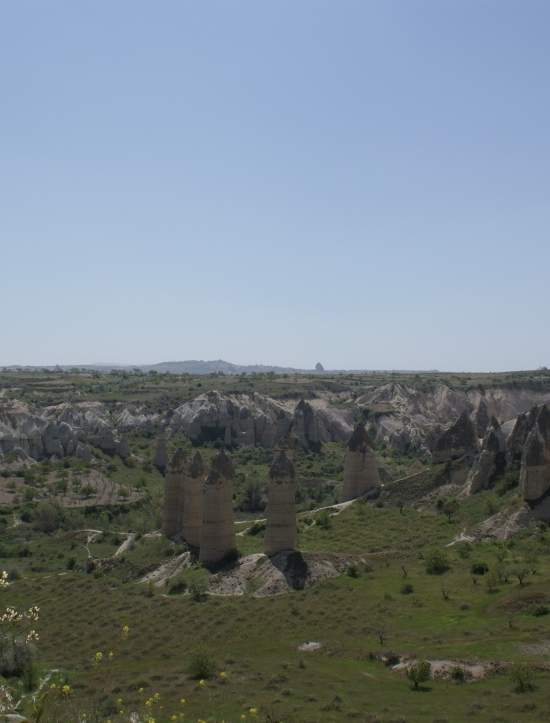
x: 364, y: 184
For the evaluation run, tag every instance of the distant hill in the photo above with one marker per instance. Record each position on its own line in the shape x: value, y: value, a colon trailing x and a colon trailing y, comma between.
x: 190, y: 366
x: 195, y: 366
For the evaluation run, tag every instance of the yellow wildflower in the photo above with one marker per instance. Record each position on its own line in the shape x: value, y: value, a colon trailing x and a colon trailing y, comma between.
x: 253, y: 711
x: 183, y: 701
x: 111, y: 654
x: 223, y: 675
x: 66, y: 689
x: 125, y: 631
x: 202, y: 683
x: 98, y: 656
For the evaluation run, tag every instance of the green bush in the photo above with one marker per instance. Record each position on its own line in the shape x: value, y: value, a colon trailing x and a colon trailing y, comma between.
x: 479, y: 568
x: 201, y: 666
x: 407, y: 589
x: 419, y: 672
x: 437, y: 562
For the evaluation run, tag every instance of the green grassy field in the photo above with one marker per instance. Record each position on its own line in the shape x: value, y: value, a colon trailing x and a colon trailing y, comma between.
x: 254, y: 641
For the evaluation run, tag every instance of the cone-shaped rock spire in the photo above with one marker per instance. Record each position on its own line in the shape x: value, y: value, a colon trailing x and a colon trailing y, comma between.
x: 173, y: 495
x: 281, y: 507
x: 218, y: 534
x: 192, y: 501
x: 360, y: 466
x: 535, y: 462
x: 160, y: 459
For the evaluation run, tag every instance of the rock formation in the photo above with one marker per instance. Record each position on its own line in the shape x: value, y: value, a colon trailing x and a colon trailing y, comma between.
x: 193, y: 501
x: 281, y: 507
x: 305, y: 427
x: 160, y: 460
x: 174, y: 495
x: 217, y: 534
x: 459, y: 440
x: 481, y: 418
x: 535, y: 462
x: 491, y: 461
x: 360, y: 465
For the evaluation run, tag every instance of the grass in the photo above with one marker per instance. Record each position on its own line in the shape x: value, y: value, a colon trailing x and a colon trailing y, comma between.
x: 254, y: 641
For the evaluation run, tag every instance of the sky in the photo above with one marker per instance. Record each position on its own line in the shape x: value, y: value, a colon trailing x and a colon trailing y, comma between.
x: 363, y: 183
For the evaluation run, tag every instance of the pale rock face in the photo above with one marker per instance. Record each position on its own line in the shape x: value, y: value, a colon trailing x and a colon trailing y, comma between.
x: 193, y: 501
x: 459, y: 440
x: 360, y: 466
x: 236, y: 419
x: 173, y: 495
x: 491, y: 461
x: 218, y: 534
x: 281, y: 507
x: 535, y: 462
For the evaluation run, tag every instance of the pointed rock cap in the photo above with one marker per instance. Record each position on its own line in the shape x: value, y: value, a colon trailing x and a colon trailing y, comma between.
x: 222, y: 465
x: 196, y: 468
x: 282, y: 467
x: 543, y: 421
x: 359, y: 439
x: 178, y: 460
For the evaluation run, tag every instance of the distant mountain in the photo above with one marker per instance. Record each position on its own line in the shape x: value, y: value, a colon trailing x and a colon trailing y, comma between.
x: 191, y: 366
x: 195, y: 366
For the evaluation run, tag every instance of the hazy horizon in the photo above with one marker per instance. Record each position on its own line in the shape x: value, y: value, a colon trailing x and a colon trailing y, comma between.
x: 363, y: 184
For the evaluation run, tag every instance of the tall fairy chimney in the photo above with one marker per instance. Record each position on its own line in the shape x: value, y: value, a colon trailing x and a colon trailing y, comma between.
x: 173, y: 495
x: 360, y: 468
x: 218, y: 534
x: 281, y: 507
x: 192, y: 501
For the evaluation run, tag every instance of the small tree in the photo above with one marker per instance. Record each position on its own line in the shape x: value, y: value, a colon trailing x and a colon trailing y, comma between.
x: 521, y: 573
x: 419, y: 672
x: 450, y: 508
x: 437, y: 562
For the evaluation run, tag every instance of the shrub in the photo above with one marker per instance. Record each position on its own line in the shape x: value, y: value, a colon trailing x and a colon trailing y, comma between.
x: 323, y: 520
x: 437, y: 562
x: 201, y: 666
x: 16, y: 656
x: 541, y: 610
x: 352, y: 571
x: 523, y: 677
x: 47, y: 517
x: 197, y: 583
x: 407, y: 589
x: 177, y: 586
x: 458, y: 674
x: 479, y: 568
x: 256, y: 528
x: 419, y: 672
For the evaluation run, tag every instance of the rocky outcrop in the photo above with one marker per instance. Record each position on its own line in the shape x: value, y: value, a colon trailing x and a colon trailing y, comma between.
x: 412, y: 417
x: 59, y: 431
x: 172, y: 513
x: 459, y: 440
x: 535, y: 462
x: 491, y: 461
x: 217, y: 534
x: 280, y: 531
x: 246, y: 419
x: 360, y: 466
x: 193, y: 501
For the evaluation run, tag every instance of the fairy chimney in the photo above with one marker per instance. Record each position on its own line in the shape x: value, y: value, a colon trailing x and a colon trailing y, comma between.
x: 192, y: 501
x: 360, y: 466
x: 281, y: 508
x: 173, y: 495
x: 535, y: 462
x: 217, y: 534
x: 160, y: 460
